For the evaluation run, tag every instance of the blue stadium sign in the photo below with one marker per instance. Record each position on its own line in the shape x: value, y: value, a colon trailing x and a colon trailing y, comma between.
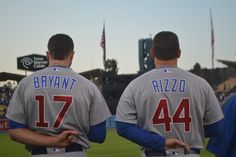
x: 32, y: 62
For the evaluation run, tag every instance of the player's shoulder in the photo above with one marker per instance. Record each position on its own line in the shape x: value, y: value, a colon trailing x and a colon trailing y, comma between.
x: 141, y: 81
x: 195, y: 78
x: 26, y: 80
x: 141, y: 78
x: 83, y: 79
x: 83, y: 82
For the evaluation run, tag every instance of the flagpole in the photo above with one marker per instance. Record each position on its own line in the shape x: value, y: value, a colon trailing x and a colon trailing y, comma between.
x: 104, y: 53
x: 212, y: 40
x: 212, y: 47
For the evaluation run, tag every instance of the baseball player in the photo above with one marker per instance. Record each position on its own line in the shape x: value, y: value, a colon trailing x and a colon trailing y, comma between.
x: 168, y: 110
x: 225, y: 144
x: 55, y: 111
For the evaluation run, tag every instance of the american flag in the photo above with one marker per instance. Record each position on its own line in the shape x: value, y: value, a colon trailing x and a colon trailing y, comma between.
x: 103, y: 45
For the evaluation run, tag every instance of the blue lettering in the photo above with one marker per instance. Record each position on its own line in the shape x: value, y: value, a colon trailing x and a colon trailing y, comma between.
x: 65, y: 83
x: 174, y: 89
x: 51, y: 78
x: 44, y: 81
x: 53, y: 81
x: 166, y: 85
x: 57, y: 82
x: 155, y: 86
x: 169, y: 85
x: 160, y: 83
x: 36, y: 82
x: 182, y: 85
x: 72, y: 84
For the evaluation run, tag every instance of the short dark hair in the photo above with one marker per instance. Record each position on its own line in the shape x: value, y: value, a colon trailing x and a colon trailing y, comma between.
x: 60, y: 45
x: 166, y: 45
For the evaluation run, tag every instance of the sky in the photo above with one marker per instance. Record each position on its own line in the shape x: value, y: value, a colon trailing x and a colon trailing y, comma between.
x: 26, y: 26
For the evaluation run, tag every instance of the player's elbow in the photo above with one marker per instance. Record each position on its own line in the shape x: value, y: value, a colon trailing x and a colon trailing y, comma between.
x: 97, y: 133
x: 11, y: 135
x: 14, y: 135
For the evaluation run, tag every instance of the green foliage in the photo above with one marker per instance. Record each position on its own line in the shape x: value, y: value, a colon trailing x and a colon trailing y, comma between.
x: 111, y: 66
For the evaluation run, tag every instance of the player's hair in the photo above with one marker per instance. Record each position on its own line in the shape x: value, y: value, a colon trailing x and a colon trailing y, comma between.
x: 166, y: 45
x: 60, y: 45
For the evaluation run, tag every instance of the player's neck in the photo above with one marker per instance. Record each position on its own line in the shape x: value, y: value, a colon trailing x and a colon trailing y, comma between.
x: 55, y: 62
x: 165, y: 63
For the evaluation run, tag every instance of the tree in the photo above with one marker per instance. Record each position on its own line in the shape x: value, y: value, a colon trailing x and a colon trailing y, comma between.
x: 196, y: 69
x: 111, y: 66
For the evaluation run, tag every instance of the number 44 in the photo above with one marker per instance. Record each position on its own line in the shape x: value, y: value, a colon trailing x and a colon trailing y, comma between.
x: 166, y: 119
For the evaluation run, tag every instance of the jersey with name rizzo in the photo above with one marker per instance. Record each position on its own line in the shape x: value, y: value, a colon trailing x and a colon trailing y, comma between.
x: 56, y: 99
x: 171, y: 102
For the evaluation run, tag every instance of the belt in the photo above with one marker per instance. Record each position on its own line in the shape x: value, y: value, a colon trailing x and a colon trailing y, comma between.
x: 43, y: 150
x: 163, y: 152
x: 192, y: 151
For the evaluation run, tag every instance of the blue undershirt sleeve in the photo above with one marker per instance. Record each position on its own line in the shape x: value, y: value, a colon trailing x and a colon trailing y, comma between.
x: 16, y: 125
x: 134, y: 133
x: 212, y: 130
x: 97, y: 133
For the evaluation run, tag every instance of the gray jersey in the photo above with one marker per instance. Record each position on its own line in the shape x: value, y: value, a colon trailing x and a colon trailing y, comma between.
x: 171, y: 102
x: 56, y: 99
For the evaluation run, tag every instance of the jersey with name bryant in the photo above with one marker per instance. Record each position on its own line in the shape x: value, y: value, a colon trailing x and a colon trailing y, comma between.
x: 56, y: 99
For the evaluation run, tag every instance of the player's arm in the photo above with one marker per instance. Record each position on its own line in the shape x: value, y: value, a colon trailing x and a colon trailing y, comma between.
x: 145, y: 138
x: 212, y: 130
x: 20, y: 133
x: 97, y: 133
x: 220, y: 145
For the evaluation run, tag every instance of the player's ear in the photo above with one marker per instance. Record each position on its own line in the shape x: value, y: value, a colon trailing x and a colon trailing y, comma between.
x: 179, y: 53
x: 48, y: 55
x: 152, y: 53
x: 71, y: 55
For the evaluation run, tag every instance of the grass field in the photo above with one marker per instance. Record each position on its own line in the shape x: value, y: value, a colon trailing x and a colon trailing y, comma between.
x: 114, y: 146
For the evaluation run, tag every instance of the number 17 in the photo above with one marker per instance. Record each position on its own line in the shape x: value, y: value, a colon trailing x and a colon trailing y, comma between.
x: 59, y: 98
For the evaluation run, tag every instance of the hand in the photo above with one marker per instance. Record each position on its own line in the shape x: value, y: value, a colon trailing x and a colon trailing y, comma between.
x: 66, y: 138
x: 172, y: 143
